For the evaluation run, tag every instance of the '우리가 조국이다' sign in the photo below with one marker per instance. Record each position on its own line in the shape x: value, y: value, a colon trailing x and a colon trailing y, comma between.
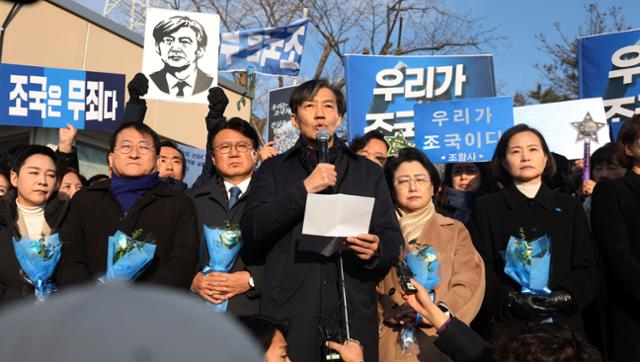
x: 464, y: 130
x: 382, y: 90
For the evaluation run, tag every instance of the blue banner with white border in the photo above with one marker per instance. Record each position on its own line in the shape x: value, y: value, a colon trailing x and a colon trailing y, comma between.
x: 382, y: 90
x: 609, y: 67
x: 52, y: 97
x: 276, y: 51
x: 463, y: 130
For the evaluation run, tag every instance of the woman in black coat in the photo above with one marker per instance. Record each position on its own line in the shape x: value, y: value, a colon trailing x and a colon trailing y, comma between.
x: 615, y: 216
x: 30, y: 209
x: 527, y: 206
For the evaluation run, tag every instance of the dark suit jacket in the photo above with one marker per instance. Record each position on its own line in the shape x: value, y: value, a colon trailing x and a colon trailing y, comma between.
x: 203, y: 81
x: 212, y: 205
x: 615, y: 221
x: 166, y: 216
x: 301, y: 286
x: 500, y: 215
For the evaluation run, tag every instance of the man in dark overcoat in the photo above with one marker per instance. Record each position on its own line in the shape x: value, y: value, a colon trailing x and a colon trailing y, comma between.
x: 220, y: 201
x: 302, y: 286
x: 134, y: 202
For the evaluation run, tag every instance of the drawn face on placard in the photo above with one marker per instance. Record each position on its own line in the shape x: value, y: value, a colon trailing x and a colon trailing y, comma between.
x: 180, y: 41
x: 180, y: 49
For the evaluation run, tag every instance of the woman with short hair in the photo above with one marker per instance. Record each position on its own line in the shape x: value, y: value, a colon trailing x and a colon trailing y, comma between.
x: 527, y: 209
x: 413, y: 181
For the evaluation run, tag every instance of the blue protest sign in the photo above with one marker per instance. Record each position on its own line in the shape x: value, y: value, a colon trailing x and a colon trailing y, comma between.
x: 276, y: 50
x: 52, y: 97
x: 382, y: 90
x: 609, y: 67
x: 462, y: 130
x: 193, y: 161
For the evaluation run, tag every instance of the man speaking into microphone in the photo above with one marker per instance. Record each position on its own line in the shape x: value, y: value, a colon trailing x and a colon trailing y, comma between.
x: 300, y: 286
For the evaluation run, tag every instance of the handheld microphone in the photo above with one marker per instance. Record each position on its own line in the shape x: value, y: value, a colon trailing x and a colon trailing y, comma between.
x: 323, y: 145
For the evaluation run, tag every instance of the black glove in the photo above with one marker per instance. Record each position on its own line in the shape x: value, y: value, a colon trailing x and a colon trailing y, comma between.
x: 217, y: 102
x: 523, y: 307
x: 556, y: 302
x: 138, y: 86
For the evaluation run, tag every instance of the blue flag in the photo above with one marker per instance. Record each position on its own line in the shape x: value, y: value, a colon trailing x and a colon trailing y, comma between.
x: 276, y: 51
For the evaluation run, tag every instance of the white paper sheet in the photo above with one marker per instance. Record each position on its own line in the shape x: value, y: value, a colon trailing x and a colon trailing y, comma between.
x: 553, y: 120
x: 337, y: 215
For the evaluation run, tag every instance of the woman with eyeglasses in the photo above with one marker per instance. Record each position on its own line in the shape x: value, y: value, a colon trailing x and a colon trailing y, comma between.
x: 136, y: 204
x: 30, y: 209
x: 527, y: 209
x: 413, y: 181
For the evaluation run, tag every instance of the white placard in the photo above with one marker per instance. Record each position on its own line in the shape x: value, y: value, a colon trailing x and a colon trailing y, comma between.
x: 337, y: 215
x: 554, y: 121
x: 180, y: 52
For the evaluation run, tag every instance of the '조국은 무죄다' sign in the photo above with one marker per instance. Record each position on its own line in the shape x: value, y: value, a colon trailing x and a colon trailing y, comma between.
x: 382, y: 90
x: 464, y: 130
x: 52, y: 97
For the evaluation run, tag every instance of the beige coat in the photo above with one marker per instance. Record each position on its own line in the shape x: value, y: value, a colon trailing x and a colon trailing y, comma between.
x: 461, y: 288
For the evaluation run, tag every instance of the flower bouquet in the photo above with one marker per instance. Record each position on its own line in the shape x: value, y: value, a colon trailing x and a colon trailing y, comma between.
x: 423, y: 262
x: 127, y: 256
x: 223, y: 246
x: 38, y: 260
x: 528, y: 263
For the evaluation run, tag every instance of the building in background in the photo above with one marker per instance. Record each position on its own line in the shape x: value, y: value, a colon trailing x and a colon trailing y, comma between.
x: 64, y: 34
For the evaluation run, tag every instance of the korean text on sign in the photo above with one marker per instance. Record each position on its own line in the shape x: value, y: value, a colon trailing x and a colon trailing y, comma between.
x: 382, y: 90
x: 49, y: 97
x: 464, y: 130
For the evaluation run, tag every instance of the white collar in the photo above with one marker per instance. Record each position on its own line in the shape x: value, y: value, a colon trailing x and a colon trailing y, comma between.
x: 243, y: 186
x: 530, y: 190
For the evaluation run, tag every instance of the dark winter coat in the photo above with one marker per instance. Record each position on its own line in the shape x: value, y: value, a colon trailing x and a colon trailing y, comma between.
x: 165, y: 216
x: 501, y: 215
x: 615, y: 221
x: 212, y: 205
x: 13, y: 285
x: 302, y: 286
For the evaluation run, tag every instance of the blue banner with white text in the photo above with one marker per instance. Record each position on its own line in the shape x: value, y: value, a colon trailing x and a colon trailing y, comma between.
x: 382, y: 90
x: 52, y: 97
x: 465, y: 130
x: 276, y: 50
x: 609, y: 67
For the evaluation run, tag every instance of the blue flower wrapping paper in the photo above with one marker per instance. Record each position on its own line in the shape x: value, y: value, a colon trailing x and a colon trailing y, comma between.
x: 528, y: 263
x: 38, y: 260
x: 127, y: 257
x: 424, y: 266
x: 223, y: 246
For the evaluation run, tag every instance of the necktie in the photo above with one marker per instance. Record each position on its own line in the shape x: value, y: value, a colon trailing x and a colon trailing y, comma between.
x: 181, y: 84
x: 234, y: 193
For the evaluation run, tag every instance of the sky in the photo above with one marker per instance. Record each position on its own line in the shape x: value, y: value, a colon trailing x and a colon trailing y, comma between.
x: 520, y: 21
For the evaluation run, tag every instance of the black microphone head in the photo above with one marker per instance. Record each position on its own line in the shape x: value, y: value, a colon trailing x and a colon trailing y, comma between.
x: 323, y: 135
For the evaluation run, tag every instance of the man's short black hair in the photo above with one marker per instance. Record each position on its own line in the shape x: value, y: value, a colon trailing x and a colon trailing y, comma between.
x: 307, y: 90
x: 546, y: 342
x: 239, y: 125
x: 263, y: 328
x: 141, y: 128
x: 24, y: 152
x: 169, y: 26
x: 359, y: 143
x: 97, y: 178
x: 409, y: 154
x: 167, y: 143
